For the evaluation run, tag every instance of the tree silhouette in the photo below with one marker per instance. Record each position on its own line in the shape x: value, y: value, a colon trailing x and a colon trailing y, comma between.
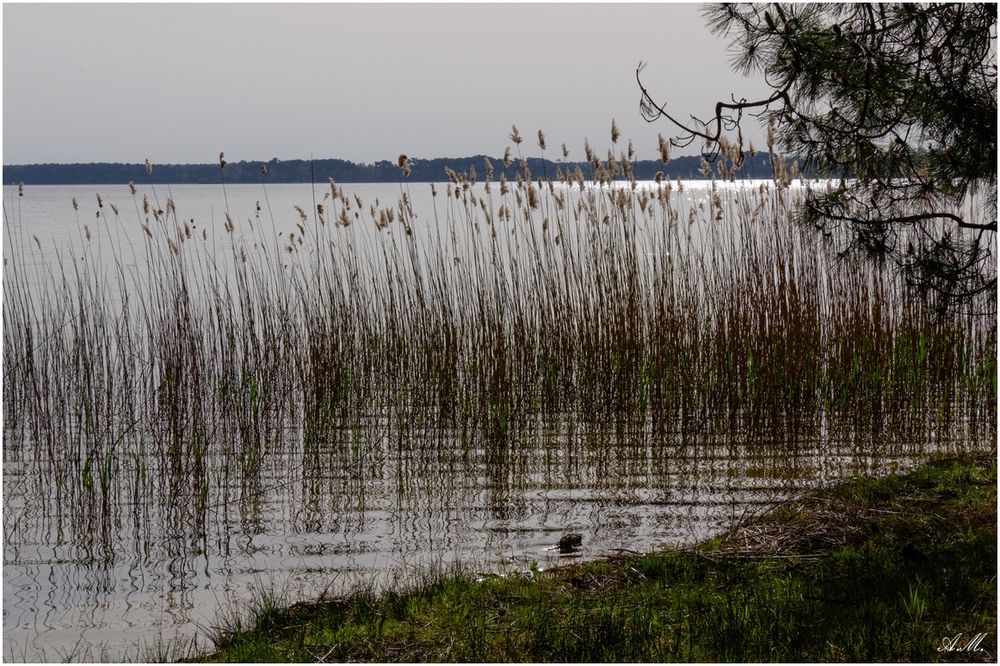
x: 895, y: 102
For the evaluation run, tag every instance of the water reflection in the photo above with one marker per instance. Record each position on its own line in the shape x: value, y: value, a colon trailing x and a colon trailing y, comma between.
x: 370, y: 502
x: 314, y: 429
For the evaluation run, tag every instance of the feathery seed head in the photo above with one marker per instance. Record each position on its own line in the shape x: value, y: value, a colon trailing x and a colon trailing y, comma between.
x: 615, y: 132
x: 664, y: 149
x: 532, y: 196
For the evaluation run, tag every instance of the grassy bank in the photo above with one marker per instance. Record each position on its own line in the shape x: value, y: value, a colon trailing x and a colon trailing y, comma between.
x: 872, y: 570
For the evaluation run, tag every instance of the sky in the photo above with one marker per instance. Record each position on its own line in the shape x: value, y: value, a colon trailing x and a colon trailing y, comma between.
x: 178, y: 83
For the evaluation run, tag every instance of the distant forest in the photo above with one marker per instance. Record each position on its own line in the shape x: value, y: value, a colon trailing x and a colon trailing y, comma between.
x: 341, y: 171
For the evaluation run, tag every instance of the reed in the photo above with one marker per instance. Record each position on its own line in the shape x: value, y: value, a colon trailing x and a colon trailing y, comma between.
x: 523, y: 307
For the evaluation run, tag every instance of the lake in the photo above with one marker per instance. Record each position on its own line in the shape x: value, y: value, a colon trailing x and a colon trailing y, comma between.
x: 212, y: 392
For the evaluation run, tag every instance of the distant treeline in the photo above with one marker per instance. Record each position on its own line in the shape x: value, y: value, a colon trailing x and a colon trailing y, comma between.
x: 342, y: 171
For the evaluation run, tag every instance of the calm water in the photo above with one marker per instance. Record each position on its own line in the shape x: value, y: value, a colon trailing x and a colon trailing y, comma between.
x: 47, y: 213
x: 373, y: 503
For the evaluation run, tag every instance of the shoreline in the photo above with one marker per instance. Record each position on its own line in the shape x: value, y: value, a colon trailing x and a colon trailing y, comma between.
x: 897, y: 568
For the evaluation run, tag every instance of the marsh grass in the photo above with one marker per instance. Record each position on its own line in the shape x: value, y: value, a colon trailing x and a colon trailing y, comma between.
x: 906, y: 562
x: 521, y: 306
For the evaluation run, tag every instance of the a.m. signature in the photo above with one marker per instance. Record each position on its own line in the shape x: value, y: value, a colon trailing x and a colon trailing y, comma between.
x: 955, y: 643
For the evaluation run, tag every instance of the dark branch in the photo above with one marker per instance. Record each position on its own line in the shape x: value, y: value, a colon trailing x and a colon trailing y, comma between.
x: 652, y: 111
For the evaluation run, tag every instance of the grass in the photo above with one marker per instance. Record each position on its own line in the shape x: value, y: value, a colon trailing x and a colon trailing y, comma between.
x: 875, y: 569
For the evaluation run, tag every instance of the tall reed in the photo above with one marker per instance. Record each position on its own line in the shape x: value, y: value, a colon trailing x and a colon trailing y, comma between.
x: 374, y: 329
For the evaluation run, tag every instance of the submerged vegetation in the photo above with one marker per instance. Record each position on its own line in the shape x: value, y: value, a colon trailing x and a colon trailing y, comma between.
x: 901, y: 568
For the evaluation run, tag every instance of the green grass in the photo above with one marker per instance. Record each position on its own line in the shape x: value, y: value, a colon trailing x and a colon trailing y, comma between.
x: 871, y: 570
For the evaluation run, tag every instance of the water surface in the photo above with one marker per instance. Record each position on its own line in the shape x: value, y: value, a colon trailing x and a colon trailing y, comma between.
x: 179, y: 530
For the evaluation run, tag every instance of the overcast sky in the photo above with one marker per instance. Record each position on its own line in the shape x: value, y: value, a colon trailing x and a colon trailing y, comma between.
x: 180, y: 82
